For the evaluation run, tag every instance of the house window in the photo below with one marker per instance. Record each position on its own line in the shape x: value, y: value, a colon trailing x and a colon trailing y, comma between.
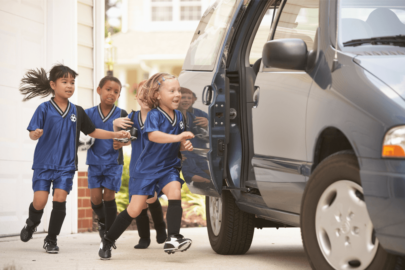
x: 190, y: 10
x: 175, y: 10
x: 162, y: 10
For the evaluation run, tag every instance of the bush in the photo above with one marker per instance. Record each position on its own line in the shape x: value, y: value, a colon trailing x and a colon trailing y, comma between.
x: 196, y: 202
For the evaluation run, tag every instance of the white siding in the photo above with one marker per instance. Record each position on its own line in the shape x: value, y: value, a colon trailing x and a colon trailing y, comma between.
x: 85, y: 47
x: 85, y: 53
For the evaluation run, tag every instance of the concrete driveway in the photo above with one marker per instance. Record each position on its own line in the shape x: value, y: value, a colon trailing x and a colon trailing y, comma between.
x: 271, y: 249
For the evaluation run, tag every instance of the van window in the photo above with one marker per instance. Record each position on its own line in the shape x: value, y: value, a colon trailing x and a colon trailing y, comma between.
x: 299, y: 19
x: 262, y: 35
x: 209, y: 36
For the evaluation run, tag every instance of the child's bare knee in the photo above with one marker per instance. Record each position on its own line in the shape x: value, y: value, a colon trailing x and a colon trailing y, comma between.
x: 134, y: 210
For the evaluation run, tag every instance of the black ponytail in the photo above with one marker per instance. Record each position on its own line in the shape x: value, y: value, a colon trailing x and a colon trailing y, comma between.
x: 36, y: 83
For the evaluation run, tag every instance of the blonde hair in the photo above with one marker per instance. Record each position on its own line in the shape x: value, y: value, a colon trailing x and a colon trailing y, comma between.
x: 151, y: 87
x: 139, y: 87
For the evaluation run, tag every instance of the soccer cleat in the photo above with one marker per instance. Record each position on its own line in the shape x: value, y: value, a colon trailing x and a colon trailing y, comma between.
x: 106, y: 246
x: 101, y: 229
x: 50, y: 246
x: 28, y: 230
x: 176, y: 243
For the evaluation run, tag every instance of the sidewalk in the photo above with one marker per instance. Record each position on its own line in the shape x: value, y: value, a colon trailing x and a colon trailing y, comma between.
x: 271, y: 249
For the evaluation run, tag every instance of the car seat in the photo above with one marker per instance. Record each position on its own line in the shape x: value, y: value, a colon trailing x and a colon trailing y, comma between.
x: 384, y: 22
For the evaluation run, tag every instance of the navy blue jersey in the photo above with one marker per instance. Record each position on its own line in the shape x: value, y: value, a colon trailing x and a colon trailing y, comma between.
x: 136, y: 144
x: 157, y: 158
x: 102, y: 151
x: 57, y: 147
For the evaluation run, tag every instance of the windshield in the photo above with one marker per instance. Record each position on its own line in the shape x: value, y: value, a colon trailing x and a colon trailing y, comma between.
x: 361, y: 19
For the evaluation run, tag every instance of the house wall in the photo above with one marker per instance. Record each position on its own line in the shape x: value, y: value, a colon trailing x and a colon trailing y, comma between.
x: 41, y: 33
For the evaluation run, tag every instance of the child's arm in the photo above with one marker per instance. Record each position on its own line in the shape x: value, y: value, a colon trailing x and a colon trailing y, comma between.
x: 36, y: 134
x: 105, y: 135
x: 161, y: 137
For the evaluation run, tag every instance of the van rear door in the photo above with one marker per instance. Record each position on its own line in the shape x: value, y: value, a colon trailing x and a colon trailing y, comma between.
x: 205, y: 98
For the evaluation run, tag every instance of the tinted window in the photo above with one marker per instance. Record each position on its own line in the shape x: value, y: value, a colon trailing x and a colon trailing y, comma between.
x: 209, y: 36
x: 367, y: 19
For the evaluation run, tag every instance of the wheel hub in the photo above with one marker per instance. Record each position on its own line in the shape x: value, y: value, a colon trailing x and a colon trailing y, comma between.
x: 215, y: 212
x: 343, y: 227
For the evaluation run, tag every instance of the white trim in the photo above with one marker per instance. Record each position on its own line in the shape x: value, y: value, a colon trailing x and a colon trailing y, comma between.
x: 172, y: 121
x: 140, y: 120
x: 108, y: 115
x: 66, y: 111
x: 56, y: 107
x: 98, y: 46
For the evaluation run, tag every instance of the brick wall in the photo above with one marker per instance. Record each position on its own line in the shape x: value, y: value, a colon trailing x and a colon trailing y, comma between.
x: 85, y: 213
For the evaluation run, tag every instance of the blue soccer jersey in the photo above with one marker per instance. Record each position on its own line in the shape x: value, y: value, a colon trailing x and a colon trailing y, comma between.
x: 157, y: 158
x: 102, y: 151
x: 136, y: 144
x: 57, y: 147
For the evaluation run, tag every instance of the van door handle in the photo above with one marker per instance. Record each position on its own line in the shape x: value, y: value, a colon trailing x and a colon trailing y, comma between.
x: 256, y: 96
x: 207, y: 95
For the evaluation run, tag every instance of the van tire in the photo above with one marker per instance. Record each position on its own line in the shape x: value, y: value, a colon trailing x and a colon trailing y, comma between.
x: 237, y: 228
x: 339, y: 166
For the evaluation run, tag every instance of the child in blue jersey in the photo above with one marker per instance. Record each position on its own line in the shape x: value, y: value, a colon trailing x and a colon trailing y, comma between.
x: 158, y: 167
x: 105, y: 163
x: 142, y: 221
x: 57, y: 124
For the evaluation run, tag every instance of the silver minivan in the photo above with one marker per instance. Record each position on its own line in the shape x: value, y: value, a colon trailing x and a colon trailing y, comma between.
x: 299, y: 117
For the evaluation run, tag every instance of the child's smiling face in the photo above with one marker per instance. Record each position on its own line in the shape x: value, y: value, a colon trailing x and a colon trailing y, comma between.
x: 186, y: 101
x: 169, y: 94
x: 109, y: 93
x: 64, y: 87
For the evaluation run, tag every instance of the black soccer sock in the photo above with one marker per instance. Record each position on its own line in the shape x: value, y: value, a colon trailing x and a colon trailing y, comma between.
x: 35, y: 215
x: 142, y: 222
x: 57, y: 217
x: 110, y: 209
x: 120, y: 224
x: 173, y: 217
x: 99, y: 210
x: 158, y: 221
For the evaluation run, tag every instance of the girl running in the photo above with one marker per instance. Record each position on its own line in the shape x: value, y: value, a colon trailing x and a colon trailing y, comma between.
x: 105, y: 163
x: 158, y: 166
x: 153, y: 204
x: 57, y: 124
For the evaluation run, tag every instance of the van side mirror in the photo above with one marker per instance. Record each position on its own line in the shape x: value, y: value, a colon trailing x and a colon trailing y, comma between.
x: 285, y: 54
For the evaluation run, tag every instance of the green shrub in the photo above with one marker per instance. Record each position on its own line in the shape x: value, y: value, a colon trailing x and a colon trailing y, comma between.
x: 122, y: 197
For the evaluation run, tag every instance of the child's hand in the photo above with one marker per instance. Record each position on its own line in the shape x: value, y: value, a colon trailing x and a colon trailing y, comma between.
x: 123, y: 122
x: 36, y: 134
x: 118, y: 145
x: 201, y: 121
x: 186, y: 146
x: 186, y: 135
x: 122, y: 134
